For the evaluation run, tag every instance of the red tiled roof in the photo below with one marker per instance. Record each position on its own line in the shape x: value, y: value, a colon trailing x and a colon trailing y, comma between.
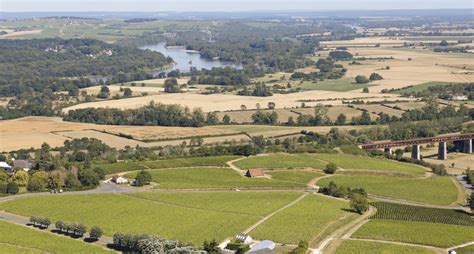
x: 255, y: 173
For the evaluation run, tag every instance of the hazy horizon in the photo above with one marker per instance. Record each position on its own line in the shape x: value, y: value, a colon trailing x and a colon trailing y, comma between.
x: 224, y: 6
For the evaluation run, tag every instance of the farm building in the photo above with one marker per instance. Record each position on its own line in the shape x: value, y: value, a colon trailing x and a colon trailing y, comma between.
x: 117, y: 179
x: 255, y: 173
x: 6, y: 167
x: 263, y: 247
x: 23, y: 164
x: 243, y: 238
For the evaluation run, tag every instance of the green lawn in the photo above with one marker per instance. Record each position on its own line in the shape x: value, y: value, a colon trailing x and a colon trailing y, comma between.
x: 276, y: 161
x: 433, y: 190
x: 216, y: 161
x: 348, y: 161
x: 440, y: 235
x: 212, y: 178
x: 29, y: 240
x: 225, y: 201
x: 364, y: 247
x: 302, y: 221
x: 115, y: 212
x: 295, y: 176
x: 336, y: 85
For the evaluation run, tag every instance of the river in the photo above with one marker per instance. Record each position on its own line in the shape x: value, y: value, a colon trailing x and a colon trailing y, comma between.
x: 184, y: 60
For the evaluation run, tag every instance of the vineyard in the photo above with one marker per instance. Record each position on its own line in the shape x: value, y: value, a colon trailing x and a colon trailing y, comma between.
x: 392, y: 211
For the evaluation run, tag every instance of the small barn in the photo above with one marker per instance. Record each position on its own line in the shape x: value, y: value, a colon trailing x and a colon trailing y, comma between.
x: 23, y: 164
x: 252, y: 173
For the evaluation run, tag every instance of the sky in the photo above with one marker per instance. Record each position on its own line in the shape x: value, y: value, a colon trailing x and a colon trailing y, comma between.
x: 224, y: 5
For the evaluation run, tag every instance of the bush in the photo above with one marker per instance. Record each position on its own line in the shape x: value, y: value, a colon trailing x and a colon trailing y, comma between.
x: 12, y: 188
x: 375, y: 76
x: 330, y: 168
x: 359, y: 203
x: 95, y: 232
x: 360, y: 79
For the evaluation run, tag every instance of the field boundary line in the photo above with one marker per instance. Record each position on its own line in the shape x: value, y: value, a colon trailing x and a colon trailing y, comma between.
x: 189, y: 207
x: 258, y: 223
x: 462, y: 245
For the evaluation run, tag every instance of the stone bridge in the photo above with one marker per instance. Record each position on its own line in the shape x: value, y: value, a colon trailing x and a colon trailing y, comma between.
x: 463, y: 140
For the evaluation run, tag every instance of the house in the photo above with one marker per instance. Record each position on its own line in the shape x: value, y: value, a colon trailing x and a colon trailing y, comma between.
x: 255, y: 173
x: 117, y: 179
x: 23, y: 164
x: 459, y: 97
x: 263, y: 247
x: 6, y: 167
x: 243, y: 238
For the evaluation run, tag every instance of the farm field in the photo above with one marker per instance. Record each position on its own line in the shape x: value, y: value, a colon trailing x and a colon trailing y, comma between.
x: 354, y: 162
x: 433, y: 190
x: 227, y: 102
x: 377, y: 109
x: 122, y: 166
x: 407, y: 105
x: 217, y: 161
x: 303, y: 220
x: 295, y: 176
x: 276, y: 161
x: 466, y: 250
x: 433, y: 234
x: 32, y: 131
x: 276, y: 131
x: 338, y: 85
x: 224, y: 201
x: 115, y: 212
x: 20, y: 239
x: 424, y: 66
x: 420, y: 87
x: 392, y: 211
x: 212, y: 178
x: 353, y: 246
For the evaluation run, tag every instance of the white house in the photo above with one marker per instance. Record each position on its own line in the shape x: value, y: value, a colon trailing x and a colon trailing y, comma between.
x: 117, y: 179
x: 5, y: 166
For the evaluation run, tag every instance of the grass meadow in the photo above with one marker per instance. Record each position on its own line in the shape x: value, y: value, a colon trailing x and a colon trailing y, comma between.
x: 364, y: 247
x: 433, y: 190
x: 303, y: 220
x: 433, y: 234
x: 185, y: 219
x: 212, y: 178
x: 20, y: 239
x: 277, y: 161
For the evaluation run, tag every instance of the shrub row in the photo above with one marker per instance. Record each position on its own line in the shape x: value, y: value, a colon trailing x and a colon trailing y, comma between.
x: 41, y: 222
x: 145, y: 243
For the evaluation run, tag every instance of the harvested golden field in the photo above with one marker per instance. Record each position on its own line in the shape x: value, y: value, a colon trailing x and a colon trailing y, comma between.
x: 335, y: 111
x: 366, y: 41
x: 407, y: 105
x: 14, y: 34
x: 377, y: 109
x: 425, y: 66
x: 137, y: 90
x: 246, y: 116
x: 33, y: 131
x: 223, y: 102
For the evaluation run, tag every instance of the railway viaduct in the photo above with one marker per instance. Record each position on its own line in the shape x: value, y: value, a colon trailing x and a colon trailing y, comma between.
x: 464, y: 141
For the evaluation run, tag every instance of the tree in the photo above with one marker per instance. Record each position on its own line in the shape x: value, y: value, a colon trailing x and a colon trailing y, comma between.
x: 44, y: 160
x: 271, y: 105
x: 471, y: 201
x: 127, y: 92
x: 88, y: 177
x: 365, y: 90
x: 341, y: 119
x: 37, y: 182
x: 56, y: 180
x: 12, y: 188
x: 143, y: 177
x: 21, y: 177
x: 211, y: 247
x: 359, y: 203
x: 444, y: 43
x: 95, y: 232
x: 330, y: 168
x: 104, y: 92
x: 375, y: 76
x: 226, y: 119
x: 360, y: 79
x: 171, y: 86
x: 340, y: 55
x: 80, y: 229
x: 60, y: 225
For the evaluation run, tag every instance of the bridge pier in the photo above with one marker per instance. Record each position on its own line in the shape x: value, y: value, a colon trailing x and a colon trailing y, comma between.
x: 442, y: 151
x: 415, y: 152
x: 387, y: 150
x: 467, y: 146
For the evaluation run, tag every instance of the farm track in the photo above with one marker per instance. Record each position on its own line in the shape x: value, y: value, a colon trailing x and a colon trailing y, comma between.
x: 103, y: 242
x: 343, y: 232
